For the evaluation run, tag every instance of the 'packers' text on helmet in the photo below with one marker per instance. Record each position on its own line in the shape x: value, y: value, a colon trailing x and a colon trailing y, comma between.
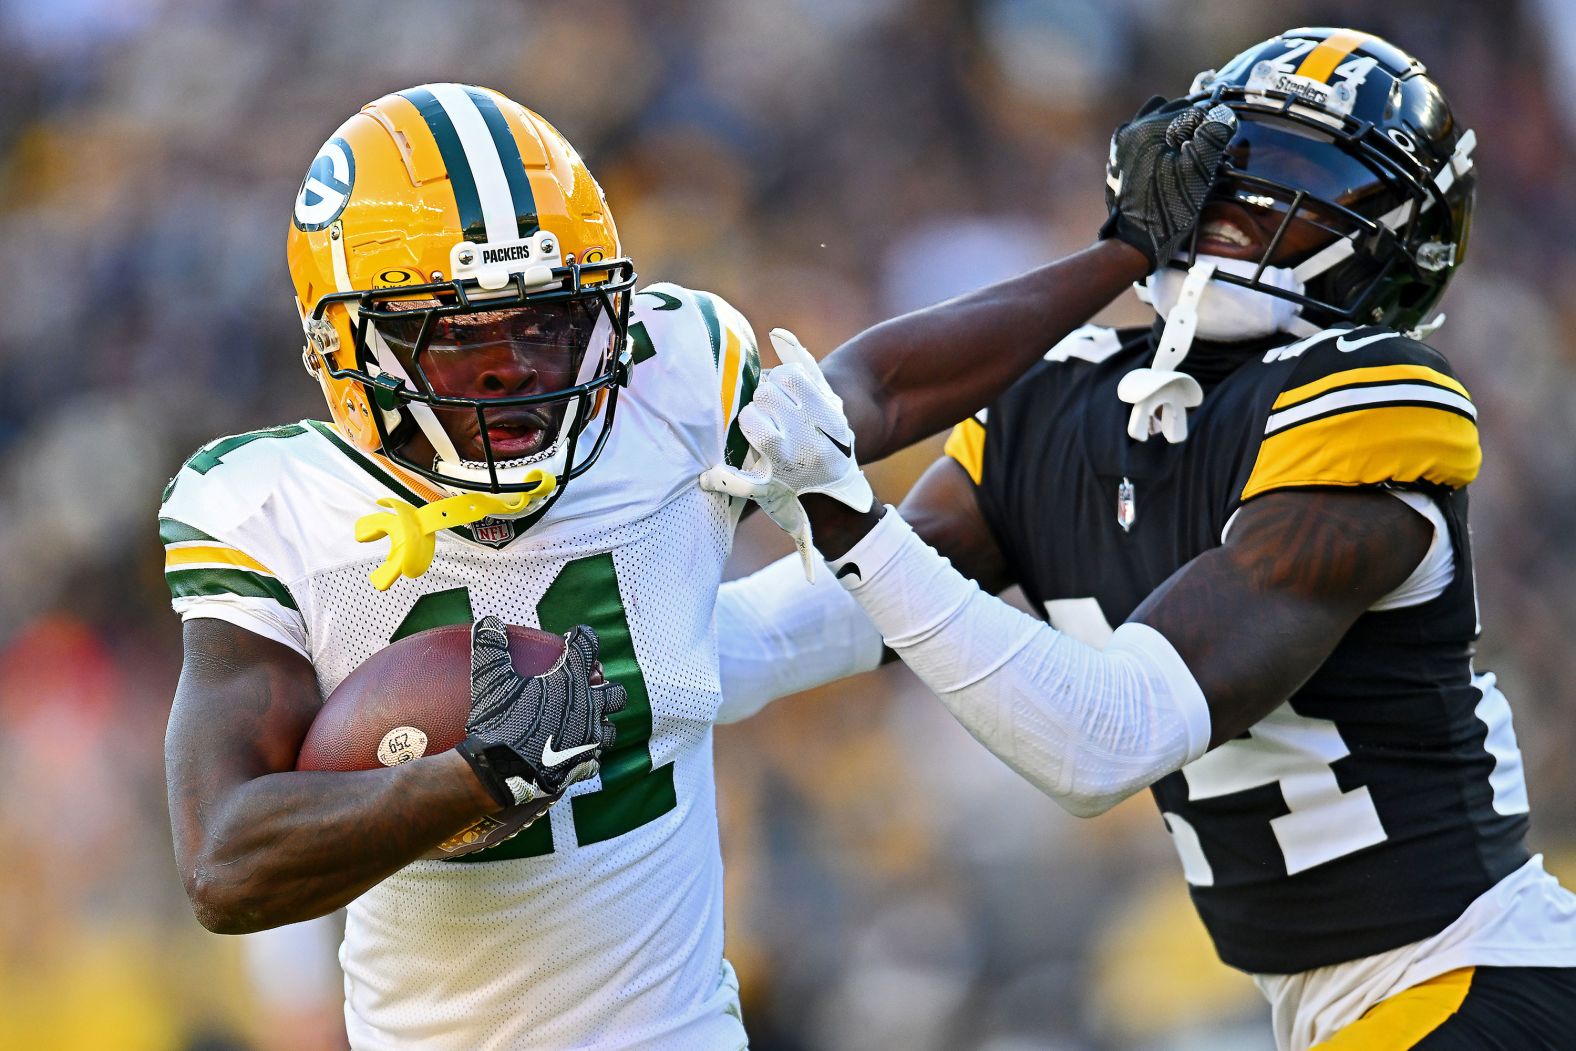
x: 1347, y: 133
x: 465, y: 300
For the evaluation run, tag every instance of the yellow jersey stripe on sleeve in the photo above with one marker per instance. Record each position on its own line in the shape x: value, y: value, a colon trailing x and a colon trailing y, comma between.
x: 1368, y: 446
x: 966, y: 444
x: 1373, y: 374
x: 190, y: 556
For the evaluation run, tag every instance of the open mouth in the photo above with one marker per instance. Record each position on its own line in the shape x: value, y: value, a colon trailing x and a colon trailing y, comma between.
x: 513, y: 437
x: 1232, y: 236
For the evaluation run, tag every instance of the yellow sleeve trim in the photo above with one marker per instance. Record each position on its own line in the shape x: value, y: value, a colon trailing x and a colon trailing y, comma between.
x: 1394, y: 443
x: 1373, y: 374
x: 1322, y: 60
x: 730, y: 371
x: 966, y: 444
x: 187, y: 556
x: 1403, y: 1020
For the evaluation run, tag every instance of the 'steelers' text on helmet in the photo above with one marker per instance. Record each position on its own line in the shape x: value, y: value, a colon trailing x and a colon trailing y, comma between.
x: 446, y: 210
x: 1342, y: 130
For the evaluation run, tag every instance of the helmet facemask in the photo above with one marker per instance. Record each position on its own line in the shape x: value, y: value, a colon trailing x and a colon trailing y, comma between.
x: 1342, y: 222
x: 490, y: 390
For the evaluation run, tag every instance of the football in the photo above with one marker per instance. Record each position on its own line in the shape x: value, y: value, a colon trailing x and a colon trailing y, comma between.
x: 411, y: 699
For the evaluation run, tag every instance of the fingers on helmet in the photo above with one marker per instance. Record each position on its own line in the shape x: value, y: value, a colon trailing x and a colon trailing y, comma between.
x: 1154, y: 103
x: 1182, y: 127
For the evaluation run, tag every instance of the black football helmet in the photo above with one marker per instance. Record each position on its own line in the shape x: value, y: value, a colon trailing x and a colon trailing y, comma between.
x: 1345, y: 131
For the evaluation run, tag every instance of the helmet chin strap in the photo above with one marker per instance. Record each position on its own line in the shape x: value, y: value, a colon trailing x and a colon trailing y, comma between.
x: 1196, y: 305
x: 1160, y: 395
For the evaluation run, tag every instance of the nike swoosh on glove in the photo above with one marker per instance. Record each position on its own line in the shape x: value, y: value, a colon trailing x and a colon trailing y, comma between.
x: 531, y: 737
x: 802, y: 444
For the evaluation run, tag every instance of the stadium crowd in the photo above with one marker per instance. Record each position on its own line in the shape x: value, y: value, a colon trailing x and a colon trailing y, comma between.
x: 823, y: 164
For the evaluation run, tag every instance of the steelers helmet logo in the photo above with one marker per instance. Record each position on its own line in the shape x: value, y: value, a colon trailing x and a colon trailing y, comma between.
x: 326, y: 189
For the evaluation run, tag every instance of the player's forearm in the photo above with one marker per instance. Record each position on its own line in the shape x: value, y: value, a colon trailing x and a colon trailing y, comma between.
x: 1085, y: 726
x: 290, y: 846
x: 912, y: 376
x: 778, y: 634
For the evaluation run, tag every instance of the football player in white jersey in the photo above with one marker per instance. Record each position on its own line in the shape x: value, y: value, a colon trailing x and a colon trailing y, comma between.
x: 516, y: 432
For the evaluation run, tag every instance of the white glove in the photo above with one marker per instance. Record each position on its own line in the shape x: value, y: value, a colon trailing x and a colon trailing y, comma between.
x: 802, y: 443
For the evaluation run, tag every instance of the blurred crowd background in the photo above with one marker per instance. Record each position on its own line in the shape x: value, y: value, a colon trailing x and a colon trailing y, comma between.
x: 823, y: 164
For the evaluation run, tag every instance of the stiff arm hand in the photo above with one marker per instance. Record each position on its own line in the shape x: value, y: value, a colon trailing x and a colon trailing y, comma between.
x: 531, y: 737
x: 802, y: 445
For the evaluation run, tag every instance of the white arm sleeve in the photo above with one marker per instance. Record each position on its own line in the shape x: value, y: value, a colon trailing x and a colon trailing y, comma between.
x: 779, y: 634
x: 1088, y: 727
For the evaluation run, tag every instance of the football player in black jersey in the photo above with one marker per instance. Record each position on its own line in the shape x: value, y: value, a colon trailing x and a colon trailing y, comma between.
x: 1267, y: 491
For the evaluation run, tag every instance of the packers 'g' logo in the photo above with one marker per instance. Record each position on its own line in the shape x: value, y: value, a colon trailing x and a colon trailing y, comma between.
x: 326, y: 189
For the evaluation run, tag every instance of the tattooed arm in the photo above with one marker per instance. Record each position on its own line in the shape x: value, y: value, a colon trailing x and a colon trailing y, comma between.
x: 1228, y: 638
x: 260, y: 844
x: 1255, y: 618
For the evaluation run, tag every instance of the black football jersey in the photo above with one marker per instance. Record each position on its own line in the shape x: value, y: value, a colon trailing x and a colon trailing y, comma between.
x: 1370, y: 809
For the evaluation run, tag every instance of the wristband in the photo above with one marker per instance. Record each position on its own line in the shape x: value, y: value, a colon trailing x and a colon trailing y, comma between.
x: 875, y: 549
x: 505, y: 790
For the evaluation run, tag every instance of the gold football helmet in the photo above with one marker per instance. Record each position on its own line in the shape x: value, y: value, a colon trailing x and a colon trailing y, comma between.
x: 449, y: 250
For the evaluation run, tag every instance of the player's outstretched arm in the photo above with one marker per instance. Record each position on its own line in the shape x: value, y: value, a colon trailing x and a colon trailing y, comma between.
x: 910, y: 377
x: 1226, y: 640
x: 260, y: 844
x: 1232, y: 635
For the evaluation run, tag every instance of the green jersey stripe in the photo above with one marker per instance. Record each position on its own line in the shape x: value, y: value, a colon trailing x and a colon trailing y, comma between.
x: 409, y: 495
x: 708, y: 310
x: 192, y: 583
x: 173, y: 532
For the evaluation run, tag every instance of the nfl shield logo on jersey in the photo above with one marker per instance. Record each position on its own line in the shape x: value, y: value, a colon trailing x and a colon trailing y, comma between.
x: 1126, y: 505
x: 494, y: 531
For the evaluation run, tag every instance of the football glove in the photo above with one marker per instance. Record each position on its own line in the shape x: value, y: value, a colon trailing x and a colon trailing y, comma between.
x: 529, y: 738
x: 1161, y: 166
x: 802, y: 444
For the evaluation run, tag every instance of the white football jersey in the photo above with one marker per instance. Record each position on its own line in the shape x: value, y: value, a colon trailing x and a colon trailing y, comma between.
x: 600, y: 926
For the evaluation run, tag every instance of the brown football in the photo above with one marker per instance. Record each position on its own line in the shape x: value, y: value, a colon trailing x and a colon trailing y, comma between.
x: 411, y: 699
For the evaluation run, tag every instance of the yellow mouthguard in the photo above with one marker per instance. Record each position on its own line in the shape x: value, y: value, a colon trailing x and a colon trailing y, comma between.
x: 411, y: 529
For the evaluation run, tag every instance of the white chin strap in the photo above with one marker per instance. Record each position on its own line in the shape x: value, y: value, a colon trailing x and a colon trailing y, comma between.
x: 1195, y: 305
x: 1226, y: 312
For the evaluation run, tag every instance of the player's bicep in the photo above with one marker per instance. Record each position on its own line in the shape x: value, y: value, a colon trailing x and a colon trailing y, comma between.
x: 242, y: 708
x: 943, y: 508
x: 1255, y: 618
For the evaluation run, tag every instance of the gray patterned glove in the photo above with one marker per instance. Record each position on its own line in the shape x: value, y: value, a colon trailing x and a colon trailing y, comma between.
x: 1162, y: 165
x: 531, y: 738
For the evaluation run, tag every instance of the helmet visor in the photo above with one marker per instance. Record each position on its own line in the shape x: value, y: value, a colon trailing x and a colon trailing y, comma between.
x: 517, y: 351
x: 1302, y: 158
